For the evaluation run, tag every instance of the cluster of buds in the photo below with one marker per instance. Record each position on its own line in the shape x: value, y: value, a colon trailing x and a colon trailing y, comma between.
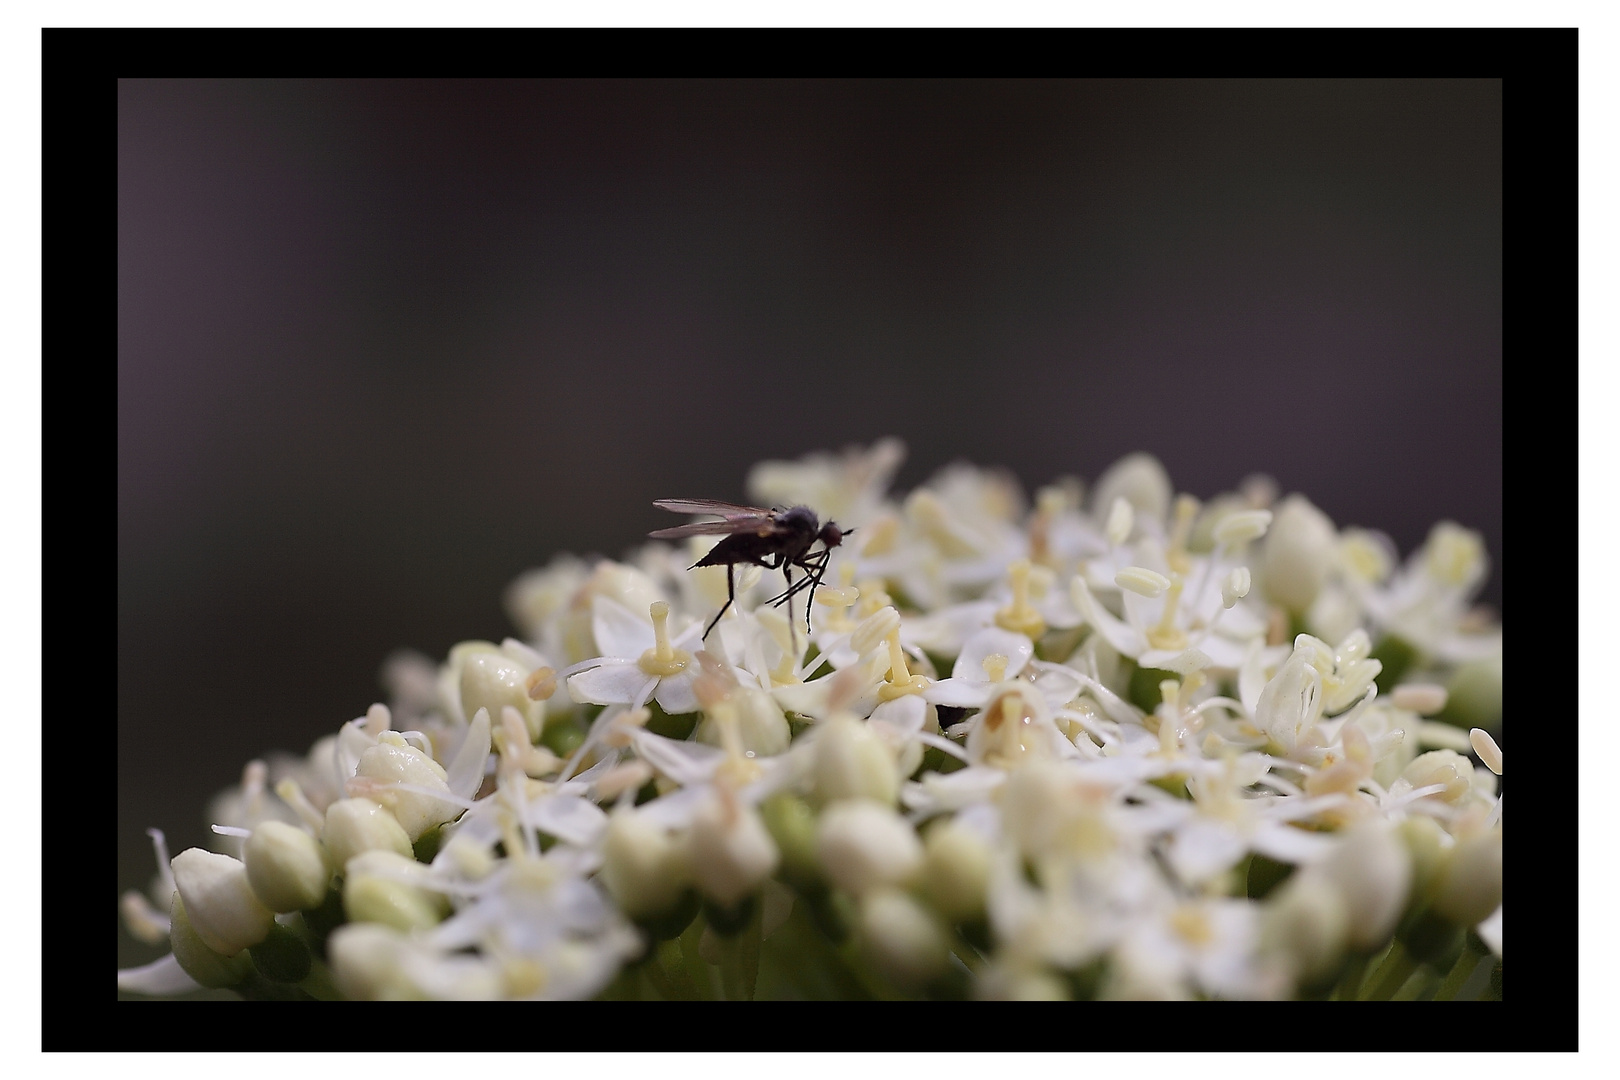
x: 1120, y: 743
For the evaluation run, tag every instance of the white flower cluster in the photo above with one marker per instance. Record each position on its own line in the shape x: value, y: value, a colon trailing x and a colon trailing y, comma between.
x: 1121, y: 744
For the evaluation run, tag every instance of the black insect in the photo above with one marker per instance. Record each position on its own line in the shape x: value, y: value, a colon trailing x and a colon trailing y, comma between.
x: 774, y: 539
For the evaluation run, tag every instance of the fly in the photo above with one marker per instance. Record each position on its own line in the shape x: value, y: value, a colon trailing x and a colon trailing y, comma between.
x: 775, y: 539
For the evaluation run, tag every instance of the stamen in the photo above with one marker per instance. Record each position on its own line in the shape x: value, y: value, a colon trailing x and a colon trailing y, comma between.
x: 160, y: 848
x: 1186, y: 510
x: 901, y: 681
x: 1486, y: 748
x: 1422, y: 698
x: 1240, y: 528
x: 880, y: 538
x: 294, y: 796
x: 231, y: 830
x: 1121, y: 519
x: 541, y: 683
x: 1235, y: 587
x: 874, y: 597
x: 378, y: 720
x: 1020, y: 617
x: 995, y: 666
x: 1166, y: 635
x: 662, y: 659
x: 627, y: 777
x: 1142, y: 581
x: 874, y: 629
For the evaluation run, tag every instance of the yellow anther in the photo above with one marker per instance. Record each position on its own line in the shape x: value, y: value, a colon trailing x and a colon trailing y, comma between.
x: 1020, y: 617
x: 541, y: 683
x: 1186, y: 510
x: 995, y: 666
x: 1009, y: 721
x: 1192, y: 925
x: 901, y: 681
x: 1166, y: 635
x: 663, y: 659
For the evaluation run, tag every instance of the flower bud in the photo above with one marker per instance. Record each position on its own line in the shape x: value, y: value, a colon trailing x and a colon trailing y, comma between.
x: 732, y: 852
x: 901, y: 937
x: 1427, y: 845
x: 198, y: 960
x: 644, y: 868
x: 1474, y: 694
x: 286, y: 867
x: 356, y: 825
x: 852, y: 761
x: 493, y: 680
x: 373, y: 891
x: 1141, y: 481
x: 394, y: 761
x: 864, y: 844
x: 956, y: 871
x: 219, y: 901
x: 1373, y: 874
x: 1297, y: 555
x: 1471, y: 884
x: 1442, y: 767
x: 1306, y: 925
x: 792, y: 825
x: 368, y: 963
x: 762, y: 729
x: 1291, y: 702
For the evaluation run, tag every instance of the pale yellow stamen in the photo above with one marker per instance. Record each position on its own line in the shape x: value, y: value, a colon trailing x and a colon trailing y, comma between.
x: 1166, y: 635
x: 1020, y: 616
x: 663, y: 659
x: 1486, y: 748
x: 1186, y: 510
x: 541, y: 683
x: 901, y: 681
x: 294, y: 796
x: 995, y: 666
x: 873, y: 597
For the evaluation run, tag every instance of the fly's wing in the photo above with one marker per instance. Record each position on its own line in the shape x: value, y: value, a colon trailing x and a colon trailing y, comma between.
x: 738, y: 519
x: 711, y: 506
x: 710, y: 528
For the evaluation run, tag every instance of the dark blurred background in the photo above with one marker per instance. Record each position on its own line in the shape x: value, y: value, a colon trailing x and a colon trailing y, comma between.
x: 384, y: 345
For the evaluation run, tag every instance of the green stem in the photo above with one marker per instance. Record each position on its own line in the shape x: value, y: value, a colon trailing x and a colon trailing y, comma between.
x: 1391, y: 974
x: 739, y: 973
x: 1349, y: 985
x: 696, y: 968
x: 1454, y: 980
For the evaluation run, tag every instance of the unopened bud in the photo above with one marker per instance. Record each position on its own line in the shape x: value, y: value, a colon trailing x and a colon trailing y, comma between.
x: 286, y: 866
x: 368, y: 963
x: 956, y: 870
x: 644, y: 868
x: 1471, y: 886
x: 219, y: 901
x: 198, y: 960
x: 864, y: 844
x: 732, y: 852
x: 393, y: 761
x: 1298, y: 553
x: 852, y: 761
x: 903, y: 940
x: 1141, y: 481
x: 492, y: 680
x: 373, y: 891
x: 1306, y: 924
x: 1373, y: 873
x: 356, y: 825
x: 1442, y: 767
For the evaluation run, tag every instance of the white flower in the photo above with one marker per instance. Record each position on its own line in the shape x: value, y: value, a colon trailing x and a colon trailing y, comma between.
x: 639, y: 661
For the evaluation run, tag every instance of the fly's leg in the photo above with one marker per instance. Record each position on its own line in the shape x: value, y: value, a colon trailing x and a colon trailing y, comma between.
x: 731, y: 597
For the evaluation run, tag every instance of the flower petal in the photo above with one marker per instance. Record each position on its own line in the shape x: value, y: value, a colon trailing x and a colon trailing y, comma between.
x: 620, y: 631
x: 160, y: 978
x: 609, y: 684
x: 987, y: 642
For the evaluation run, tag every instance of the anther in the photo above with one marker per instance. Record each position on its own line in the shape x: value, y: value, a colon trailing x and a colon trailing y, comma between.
x: 1240, y: 528
x: 1486, y: 748
x: 1422, y: 698
x: 1142, y: 581
x: 663, y: 659
x: 1235, y: 587
x: 541, y: 683
x: 995, y: 666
